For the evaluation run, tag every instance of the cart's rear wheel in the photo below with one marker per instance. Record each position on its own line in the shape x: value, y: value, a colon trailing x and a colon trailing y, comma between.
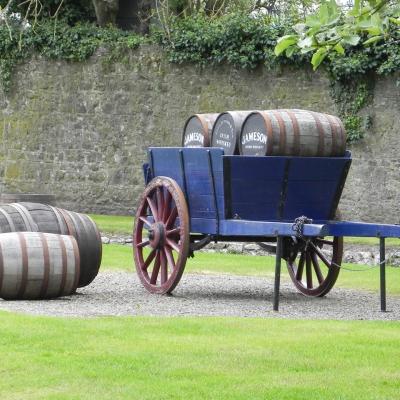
x: 312, y: 271
x: 161, y: 235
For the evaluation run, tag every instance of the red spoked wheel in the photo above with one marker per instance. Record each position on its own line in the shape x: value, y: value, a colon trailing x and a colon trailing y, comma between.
x: 312, y: 271
x: 161, y: 235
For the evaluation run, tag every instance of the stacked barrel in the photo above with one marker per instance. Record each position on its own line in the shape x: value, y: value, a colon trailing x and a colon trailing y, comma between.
x: 268, y: 133
x: 46, y: 251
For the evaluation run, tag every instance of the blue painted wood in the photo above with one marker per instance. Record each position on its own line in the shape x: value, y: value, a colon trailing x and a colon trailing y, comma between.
x: 267, y: 228
x: 200, y: 195
x: 361, y: 229
x: 283, y: 188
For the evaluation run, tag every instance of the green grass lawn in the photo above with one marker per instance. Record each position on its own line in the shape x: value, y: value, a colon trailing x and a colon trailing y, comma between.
x: 124, y: 225
x: 197, y: 358
x: 200, y: 358
x: 120, y: 257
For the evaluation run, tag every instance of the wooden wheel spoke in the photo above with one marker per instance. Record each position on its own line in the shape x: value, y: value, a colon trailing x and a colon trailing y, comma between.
x: 315, y: 281
x: 308, y: 271
x: 153, y: 208
x: 164, y: 267
x: 300, y: 267
x: 321, y: 255
x: 149, y: 259
x: 167, y: 204
x: 175, y: 231
x: 160, y: 203
x: 164, y: 215
x: 317, y: 268
x: 170, y: 257
x: 156, y: 269
x: 143, y: 244
x: 145, y: 221
x: 173, y: 244
x: 171, y: 218
x: 324, y: 241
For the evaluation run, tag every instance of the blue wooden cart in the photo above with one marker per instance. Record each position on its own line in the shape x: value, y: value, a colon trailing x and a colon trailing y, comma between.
x: 198, y: 195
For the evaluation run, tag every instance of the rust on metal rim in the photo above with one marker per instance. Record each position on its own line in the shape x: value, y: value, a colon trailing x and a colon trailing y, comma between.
x: 321, y: 136
x: 296, y: 132
x: 24, y: 255
x: 26, y: 217
x: 334, y: 126
x: 9, y: 220
x: 282, y: 131
x: 63, y: 266
x: 1, y: 267
x: 46, y: 264
x: 77, y: 264
x: 68, y: 221
x: 268, y: 125
x: 59, y: 221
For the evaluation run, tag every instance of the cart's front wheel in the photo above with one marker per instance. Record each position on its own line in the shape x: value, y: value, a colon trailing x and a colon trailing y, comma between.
x: 312, y: 270
x: 161, y: 235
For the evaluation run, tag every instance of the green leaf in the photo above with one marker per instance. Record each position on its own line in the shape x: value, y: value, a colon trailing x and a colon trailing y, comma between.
x: 313, y: 21
x: 339, y: 49
x: 352, y: 40
x: 290, y: 50
x: 284, y: 42
x: 318, y: 57
x: 306, y: 42
x: 373, y: 40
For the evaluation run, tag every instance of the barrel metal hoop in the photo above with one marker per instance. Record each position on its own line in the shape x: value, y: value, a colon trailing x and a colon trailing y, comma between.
x: 24, y: 255
x: 282, y: 131
x: 62, y: 225
x: 77, y: 263
x: 334, y: 131
x: 296, y: 132
x: 68, y: 221
x: 26, y: 216
x: 64, y: 265
x: 9, y: 220
x: 321, y: 135
x: 269, y: 130
x: 342, y: 132
x: 46, y: 265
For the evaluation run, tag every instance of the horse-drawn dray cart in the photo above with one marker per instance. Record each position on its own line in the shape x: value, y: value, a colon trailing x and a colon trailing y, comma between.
x: 198, y: 195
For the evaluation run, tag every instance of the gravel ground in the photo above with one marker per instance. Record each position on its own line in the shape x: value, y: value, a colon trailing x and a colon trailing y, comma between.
x: 121, y: 294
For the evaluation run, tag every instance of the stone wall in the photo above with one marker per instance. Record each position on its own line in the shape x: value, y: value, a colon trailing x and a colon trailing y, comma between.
x: 80, y: 130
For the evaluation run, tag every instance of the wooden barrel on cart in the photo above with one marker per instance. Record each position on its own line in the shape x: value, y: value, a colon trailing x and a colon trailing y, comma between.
x: 197, y: 130
x: 226, y: 131
x: 36, y: 217
x: 292, y: 133
x: 36, y: 265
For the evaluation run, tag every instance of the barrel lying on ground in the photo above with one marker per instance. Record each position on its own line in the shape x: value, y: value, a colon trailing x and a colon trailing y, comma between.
x: 292, y: 133
x: 35, y: 217
x: 197, y: 130
x: 36, y: 265
x: 226, y: 131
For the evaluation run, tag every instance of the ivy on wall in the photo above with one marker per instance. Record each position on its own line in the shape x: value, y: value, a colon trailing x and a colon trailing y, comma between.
x: 237, y: 39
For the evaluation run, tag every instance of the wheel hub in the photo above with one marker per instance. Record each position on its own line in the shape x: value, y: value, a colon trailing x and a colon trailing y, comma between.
x: 157, y: 234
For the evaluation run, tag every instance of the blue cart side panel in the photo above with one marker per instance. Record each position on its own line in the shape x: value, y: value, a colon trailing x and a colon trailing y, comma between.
x: 199, y: 173
x: 283, y: 188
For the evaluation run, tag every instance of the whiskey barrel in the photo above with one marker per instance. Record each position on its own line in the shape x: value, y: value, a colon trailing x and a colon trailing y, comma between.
x: 197, y: 130
x: 226, y: 131
x: 36, y: 217
x: 36, y: 265
x: 292, y: 133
